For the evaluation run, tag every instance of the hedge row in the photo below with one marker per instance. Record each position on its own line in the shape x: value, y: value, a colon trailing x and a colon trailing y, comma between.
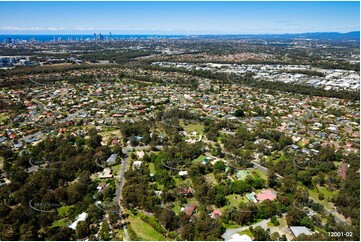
x: 153, y: 223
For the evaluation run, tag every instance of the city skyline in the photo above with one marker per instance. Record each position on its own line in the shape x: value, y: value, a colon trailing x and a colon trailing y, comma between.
x: 178, y: 17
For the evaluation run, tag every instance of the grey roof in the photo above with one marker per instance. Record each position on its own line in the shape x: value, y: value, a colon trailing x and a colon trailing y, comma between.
x: 297, y: 230
x: 112, y: 159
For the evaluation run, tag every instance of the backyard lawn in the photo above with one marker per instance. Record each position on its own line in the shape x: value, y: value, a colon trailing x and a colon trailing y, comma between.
x: 259, y: 173
x: 235, y: 199
x: 116, y: 169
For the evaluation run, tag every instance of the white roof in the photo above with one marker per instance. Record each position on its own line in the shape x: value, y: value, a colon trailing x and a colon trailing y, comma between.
x: 106, y: 173
x: 81, y: 217
x: 297, y: 230
x: 183, y: 173
x: 238, y: 237
x: 137, y: 163
x: 140, y: 154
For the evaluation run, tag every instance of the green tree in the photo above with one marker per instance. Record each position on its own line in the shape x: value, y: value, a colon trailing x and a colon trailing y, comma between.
x: 219, y: 166
x: 104, y: 231
x: 239, y: 113
x: 82, y: 229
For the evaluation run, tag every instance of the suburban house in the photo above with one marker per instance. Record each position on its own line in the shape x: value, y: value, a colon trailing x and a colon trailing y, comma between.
x: 343, y: 170
x: 111, y: 160
x: 140, y: 154
x: 216, y: 214
x: 115, y: 141
x: 137, y: 164
x: 266, y: 195
x: 187, y: 191
x: 106, y: 173
x: 102, y: 187
x: 189, y: 209
x: 81, y: 217
x: 238, y: 237
x: 183, y: 173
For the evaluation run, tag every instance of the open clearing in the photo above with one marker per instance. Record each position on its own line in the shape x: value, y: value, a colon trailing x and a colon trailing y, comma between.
x: 144, y: 230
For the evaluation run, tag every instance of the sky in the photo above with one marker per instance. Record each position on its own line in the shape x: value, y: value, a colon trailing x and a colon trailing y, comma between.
x: 178, y: 17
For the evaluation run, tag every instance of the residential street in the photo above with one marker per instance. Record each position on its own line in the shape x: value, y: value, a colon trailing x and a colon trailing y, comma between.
x: 118, y: 196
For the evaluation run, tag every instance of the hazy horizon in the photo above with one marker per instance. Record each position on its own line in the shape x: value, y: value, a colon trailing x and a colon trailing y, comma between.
x: 105, y: 33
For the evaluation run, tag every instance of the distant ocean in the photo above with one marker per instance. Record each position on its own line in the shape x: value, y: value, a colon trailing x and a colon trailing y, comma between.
x: 355, y: 35
x: 46, y: 38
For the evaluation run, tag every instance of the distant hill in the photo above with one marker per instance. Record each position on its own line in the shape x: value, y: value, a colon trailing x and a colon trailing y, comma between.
x: 355, y: 35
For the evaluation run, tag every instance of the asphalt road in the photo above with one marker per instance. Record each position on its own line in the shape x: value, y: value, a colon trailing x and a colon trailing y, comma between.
x: 121, y: 179
x: 118, y: 196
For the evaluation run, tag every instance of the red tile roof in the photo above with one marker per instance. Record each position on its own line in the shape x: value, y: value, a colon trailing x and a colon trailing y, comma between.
x: 189, y: 209
x: 265, y: 195
x: 343, y: 171
x: 217, y: 213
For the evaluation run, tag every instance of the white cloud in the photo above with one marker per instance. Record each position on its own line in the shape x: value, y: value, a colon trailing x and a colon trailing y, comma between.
x: 13, y: 28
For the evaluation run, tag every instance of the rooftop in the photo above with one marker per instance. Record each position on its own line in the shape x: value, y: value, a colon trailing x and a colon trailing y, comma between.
x: 266, y: 195
x: 297, y: 230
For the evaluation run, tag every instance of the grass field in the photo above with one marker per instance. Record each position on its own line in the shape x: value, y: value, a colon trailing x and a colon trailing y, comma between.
x: 235, y: 199
x: 247, y: 232
x: 277, y: 156
x: 199, y: 159
x: 144, y: 230
x: 193, y: 127
x: 119, y: 235
x: 116, y: 169
x: 60, y: 223
x: 176, y: 208
x: 327, y: 194
x: 283, y: 222
x: 160, y: 186
x: 177, y: 180
x: 231, y: 226
x: 107, y: 135
x: 3, y: 117
x: 151, y: 168
x: 258, y: 173
x: 211, y: 179
x: 62, y: 211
